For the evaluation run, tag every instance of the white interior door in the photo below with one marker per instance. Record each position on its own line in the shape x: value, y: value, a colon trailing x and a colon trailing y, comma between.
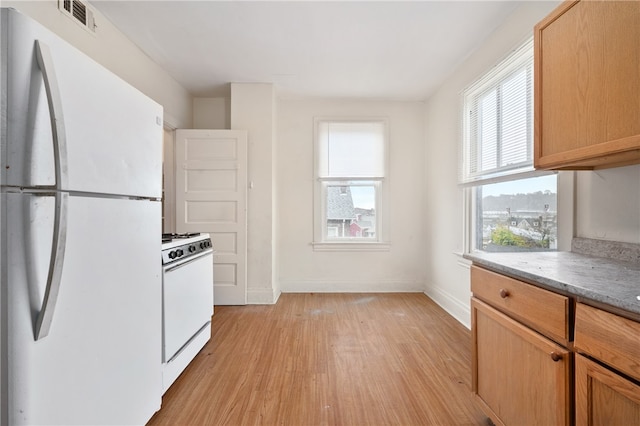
x: 211, y: 196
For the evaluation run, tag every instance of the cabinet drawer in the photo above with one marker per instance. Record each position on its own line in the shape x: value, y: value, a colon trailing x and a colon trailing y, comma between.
x: 542, y: 310
x: 610, y: 338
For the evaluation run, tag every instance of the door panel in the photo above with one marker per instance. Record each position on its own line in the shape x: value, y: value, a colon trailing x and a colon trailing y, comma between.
x: 113, y: 131
x: 515, y: 376
x: 211, y: 196
x: 188, y: 305
x: 103, y: 348
x: 604, y: 397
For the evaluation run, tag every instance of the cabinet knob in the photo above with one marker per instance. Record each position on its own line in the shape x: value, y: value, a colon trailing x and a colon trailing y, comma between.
x: 504, y: 293
x: 556, y: 356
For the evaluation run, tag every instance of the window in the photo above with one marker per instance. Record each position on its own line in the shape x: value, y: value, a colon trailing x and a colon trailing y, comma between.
x: 517, y: 215
x: 513, y: 207
x: 499, y: 121
x: 351, y: 167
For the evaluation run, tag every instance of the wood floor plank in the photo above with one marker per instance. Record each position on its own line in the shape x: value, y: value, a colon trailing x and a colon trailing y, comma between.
x: 328, y: 359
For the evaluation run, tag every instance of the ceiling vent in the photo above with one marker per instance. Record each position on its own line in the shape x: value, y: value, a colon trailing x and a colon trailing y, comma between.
x: 79, y: 12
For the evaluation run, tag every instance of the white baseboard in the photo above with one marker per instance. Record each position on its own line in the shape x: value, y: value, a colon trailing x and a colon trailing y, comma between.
x: 457, y: 309
x: 351, y: 286
x: 262, y: 296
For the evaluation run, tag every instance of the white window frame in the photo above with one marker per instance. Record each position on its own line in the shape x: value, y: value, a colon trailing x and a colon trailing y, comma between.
x: 470, y: 181
x: 321, y: 239
x: 521, y: 57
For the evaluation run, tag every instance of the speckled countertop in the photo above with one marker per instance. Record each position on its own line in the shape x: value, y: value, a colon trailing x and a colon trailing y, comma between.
x: 607, y: 281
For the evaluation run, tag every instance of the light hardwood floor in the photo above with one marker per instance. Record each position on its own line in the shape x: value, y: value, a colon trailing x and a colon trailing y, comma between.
x: 329, y: 359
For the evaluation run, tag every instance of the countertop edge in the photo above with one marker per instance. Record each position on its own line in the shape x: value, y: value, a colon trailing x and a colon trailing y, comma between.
x: 622, y: 301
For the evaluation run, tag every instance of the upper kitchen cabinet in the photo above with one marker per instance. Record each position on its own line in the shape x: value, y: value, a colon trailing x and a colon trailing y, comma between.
x: 587, y: 86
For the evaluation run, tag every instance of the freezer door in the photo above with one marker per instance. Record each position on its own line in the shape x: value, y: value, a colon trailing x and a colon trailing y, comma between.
x: 112, y: 132
x: 101, y: 361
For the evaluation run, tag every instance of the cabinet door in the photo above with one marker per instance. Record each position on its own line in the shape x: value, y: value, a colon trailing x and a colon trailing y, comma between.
x: 519, y: 376
x: 604, y: 397
x: 587, y: 90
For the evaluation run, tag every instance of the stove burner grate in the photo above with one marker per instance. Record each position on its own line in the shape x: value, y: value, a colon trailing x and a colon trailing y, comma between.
x: 170, y: 237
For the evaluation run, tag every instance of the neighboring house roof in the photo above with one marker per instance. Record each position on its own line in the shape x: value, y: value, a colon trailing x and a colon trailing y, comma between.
x: 524, y: 224
x: 340, y: 203
x: 366, y: 224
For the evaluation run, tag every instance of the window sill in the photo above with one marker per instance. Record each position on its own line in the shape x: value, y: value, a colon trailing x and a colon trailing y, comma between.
x: 350, y: 246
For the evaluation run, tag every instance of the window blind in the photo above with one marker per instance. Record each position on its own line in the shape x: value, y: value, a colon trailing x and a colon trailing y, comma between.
x: 351, y: 149
x: 498, y: 121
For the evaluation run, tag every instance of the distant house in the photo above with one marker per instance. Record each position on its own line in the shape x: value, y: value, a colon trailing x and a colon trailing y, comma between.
x: 355, y: 230
x: 524, y: 224
x: 366, y: 221
x: 340, y: 211
x: 343, y: 219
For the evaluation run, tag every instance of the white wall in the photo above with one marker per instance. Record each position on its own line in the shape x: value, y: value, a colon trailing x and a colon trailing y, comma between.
x: 211, y: 113
x: 608, y: 204
x: 253, y: 109
x: 300, y: 268
x: 447, y: 278
x: 114, y: 51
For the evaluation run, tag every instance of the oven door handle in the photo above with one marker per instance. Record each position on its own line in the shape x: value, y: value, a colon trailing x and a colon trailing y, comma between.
x: 173, y: 267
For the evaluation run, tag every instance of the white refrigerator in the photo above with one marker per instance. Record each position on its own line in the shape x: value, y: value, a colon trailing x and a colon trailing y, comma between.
x: 80, y: 296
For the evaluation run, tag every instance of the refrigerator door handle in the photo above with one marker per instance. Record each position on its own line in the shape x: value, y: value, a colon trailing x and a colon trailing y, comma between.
x: 45, y: 316
x: 45, y: 62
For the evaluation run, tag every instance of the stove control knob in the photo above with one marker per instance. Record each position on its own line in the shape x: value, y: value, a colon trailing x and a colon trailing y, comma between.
x: 202, y: 245
x: 179, y: 252
x: 192, y: 249
x: 172, y: 255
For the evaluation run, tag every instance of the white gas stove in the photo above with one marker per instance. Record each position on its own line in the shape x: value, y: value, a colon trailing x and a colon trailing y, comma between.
x: 187, y: 300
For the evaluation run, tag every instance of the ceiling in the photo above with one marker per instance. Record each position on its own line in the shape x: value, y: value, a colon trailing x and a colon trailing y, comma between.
x: 346, y: 49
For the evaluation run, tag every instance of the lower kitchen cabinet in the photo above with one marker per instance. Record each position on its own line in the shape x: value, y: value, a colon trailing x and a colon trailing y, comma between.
x: 604, y: 397
x: 607, y: 387
x: 543, y: 358
x: 522, y: 369
x: 519, y: 376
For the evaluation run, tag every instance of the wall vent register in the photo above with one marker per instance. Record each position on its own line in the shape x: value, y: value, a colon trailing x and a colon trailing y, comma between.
x: 79, y: 12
